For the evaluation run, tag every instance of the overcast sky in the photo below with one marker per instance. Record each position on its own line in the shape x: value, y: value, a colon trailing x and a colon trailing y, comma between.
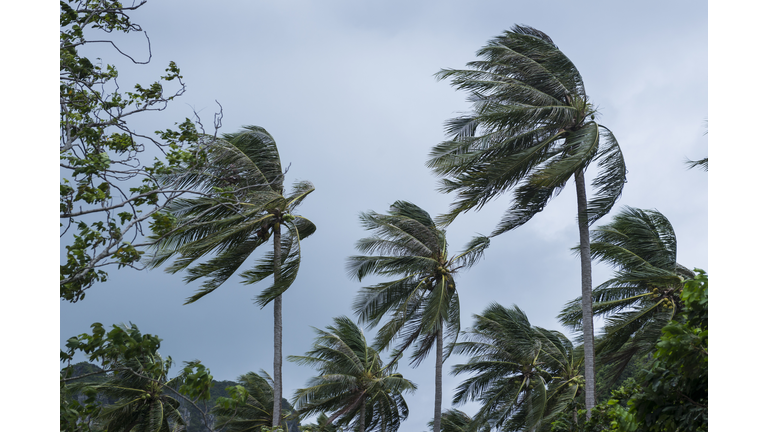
x: 348, y: 91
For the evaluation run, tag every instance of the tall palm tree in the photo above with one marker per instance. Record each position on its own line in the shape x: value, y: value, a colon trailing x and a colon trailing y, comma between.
x: 523, y: 375
x: 644, y: 293
x: 531, y: 129
x: 353, y: 383
x: 245, y: 206
x: 423, y: 300
x: 250, y: 406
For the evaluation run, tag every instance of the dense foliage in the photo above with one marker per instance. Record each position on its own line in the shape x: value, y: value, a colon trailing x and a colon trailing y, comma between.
x: 353, y: 382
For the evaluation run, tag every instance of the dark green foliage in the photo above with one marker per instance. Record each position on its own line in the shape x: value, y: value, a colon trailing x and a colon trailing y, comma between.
x: 669, y: 394
x: 107, y: 194
x: 131, y: 391
x: 246, y: 204
x: 423, y: 298
x: 674, y: 393
x: 454, y: 420
x: 530, y: 130
x: 353, y: 382
x: 644, y: 292
x: 524, y: 376
x: 249, y: 405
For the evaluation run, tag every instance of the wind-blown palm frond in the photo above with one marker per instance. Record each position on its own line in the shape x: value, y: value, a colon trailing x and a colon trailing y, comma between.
x: 142, y: 402
x: 353, y: 382
x: 643, y: 294
x: 249, y: 407
x: 422, y: 303
x: 523, y: 375
x: 530, y: 127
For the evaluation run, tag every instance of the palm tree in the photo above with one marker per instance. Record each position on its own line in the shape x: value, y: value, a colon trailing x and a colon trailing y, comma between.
x: 454, y: 420
x: 250, y: 406
x: 353, y: 383
x: 423, y: 299
x: 524, y: 376
x: 142, y: 402
x: 322, y: 424
x: 531, y: 129
x: 245, y: 206
x: 644, y: 293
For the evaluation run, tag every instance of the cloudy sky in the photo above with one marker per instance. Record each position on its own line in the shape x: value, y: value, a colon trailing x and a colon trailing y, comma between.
x: 348, y: 91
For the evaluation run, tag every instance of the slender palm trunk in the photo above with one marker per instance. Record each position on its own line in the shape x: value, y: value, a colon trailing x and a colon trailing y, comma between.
x: 362, y: 416
x: 438, y: 379
x: 586, y: 293
x: 278, y: 359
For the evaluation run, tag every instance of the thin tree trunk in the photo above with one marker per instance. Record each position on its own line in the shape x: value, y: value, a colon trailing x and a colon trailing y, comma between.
x: 586, y: 293
x: 362, y: 416
x: 438, y: 379
x: 278, y: 359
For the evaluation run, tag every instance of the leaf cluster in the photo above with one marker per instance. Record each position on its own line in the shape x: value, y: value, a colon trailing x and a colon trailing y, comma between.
x: 352, y: 382
x: 524, y: 376
x: 531, y: 129
x: 243, y: 205
x: 106, y: 192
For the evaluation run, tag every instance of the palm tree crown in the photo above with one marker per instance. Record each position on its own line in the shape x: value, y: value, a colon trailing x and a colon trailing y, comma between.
x: 142, y: 401
x: 244, y: 180
x: 644, y: 292
x: 523, y: 375
x: 353, y: 384
x: 250, y: 406
x: 531, y: 129
x: 423, y: 300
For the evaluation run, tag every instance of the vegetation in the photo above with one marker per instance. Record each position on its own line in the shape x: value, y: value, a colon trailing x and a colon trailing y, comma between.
x: 249, y: 207
x: 249, y: 406
x: 211, y: 201
x: 532, y: 129
x: 644, y: 292
x: 107, y: 194
x: 423, y: 301
x: 354, y: 383
x: 524, y: 376
x: 136, y: 393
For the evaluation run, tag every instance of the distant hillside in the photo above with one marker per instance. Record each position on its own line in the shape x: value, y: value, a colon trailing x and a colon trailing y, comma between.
x: 191, y: 416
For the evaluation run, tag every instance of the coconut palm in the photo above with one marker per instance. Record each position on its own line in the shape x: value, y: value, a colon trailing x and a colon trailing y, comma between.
x: 523, y: 375
x: 644, y: 293
x: 321, y: 425
x: 250, y: 406
x: 354, y: 384
x: 454, y: 420
x: 243, y: 208
x: 531, y: 129
x: 423, y: 300
x: 142, y: 402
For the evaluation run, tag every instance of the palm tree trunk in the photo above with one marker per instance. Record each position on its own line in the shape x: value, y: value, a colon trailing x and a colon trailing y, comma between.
x: 586, y: 293
x: 438, y: 379
x: 278, y: 359
x: 362, y: 416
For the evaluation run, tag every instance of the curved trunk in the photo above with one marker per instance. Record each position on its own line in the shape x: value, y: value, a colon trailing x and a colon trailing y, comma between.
x: 438, y: 379
x: 278, y: 359
x: 586, y: 293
